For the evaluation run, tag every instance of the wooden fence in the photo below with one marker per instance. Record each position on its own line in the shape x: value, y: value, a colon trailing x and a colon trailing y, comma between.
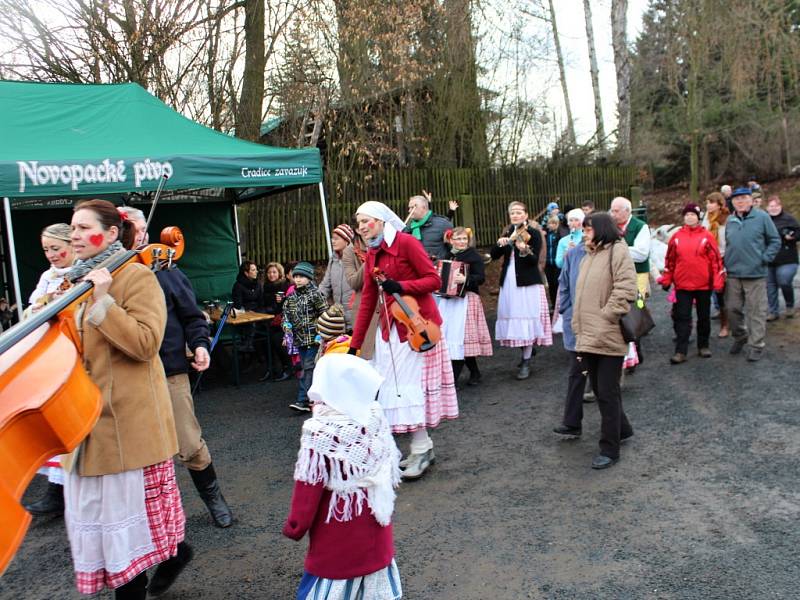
x: 288, y: 227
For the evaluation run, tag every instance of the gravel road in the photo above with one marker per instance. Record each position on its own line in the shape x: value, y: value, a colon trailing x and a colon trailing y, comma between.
x: 703, y: 505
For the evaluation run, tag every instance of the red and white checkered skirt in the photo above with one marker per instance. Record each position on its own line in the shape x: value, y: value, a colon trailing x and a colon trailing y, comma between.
x: 631, y: 358
x: 165, y: 521
x: 504, y: 329
x: 477, y: 340
x: 439, y: 387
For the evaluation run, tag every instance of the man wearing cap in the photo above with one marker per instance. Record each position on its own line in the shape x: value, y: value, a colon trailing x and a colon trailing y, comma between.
x: 427, y: 226
x: 334, y: 286
x: 751, y: 243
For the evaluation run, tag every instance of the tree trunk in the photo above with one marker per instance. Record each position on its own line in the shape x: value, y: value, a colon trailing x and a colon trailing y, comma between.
x: 622, y: 63
x: 248, y: 115
x: 600, y: 130
x: 463, y: 139
x: 562, y: 74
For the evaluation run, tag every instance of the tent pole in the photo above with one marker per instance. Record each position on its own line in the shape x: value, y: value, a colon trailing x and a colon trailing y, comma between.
x: 325, y: 219
x: 236, y: 227
x: 12, y: 253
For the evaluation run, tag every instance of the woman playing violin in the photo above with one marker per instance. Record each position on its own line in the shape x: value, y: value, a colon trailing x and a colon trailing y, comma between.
x: 58, y: 252
x: 523, y: 318
x: 418, y: 389
x: 122, y: 505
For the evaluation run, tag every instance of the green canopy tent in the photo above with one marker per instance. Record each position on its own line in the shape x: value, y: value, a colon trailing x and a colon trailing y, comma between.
x: 60, y: 142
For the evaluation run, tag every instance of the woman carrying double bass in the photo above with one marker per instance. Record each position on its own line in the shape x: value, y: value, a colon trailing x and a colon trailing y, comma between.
x: 122, y: 505
x: 418, y: 389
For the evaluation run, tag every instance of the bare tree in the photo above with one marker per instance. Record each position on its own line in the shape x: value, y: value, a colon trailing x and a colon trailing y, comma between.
x: 622, y: 63
x: 571, y: 140
x: 600, y: 130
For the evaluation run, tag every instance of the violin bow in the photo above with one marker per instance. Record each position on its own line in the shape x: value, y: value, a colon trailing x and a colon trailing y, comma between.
x: 157, y: 195
x: 382, y: 302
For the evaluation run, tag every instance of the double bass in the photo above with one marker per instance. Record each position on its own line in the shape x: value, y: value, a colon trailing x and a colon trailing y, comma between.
x: 48, y: 403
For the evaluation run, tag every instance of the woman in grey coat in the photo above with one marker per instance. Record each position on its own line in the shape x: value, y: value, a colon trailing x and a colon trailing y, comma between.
x: 335, y: 287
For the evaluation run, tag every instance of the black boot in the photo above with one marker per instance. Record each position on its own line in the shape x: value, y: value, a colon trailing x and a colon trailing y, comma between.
x: 474, y: 372
x: 135, y: 589
x: 167, y: 572
x: 458, y: 365
x: 52, y: 503
x: 206, y: 483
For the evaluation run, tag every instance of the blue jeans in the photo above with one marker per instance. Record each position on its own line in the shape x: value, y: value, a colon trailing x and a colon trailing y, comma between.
x: 780, y: 277
x: 307, y: 356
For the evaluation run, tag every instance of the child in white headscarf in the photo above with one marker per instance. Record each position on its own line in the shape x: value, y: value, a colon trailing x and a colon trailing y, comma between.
x: 346, y: 472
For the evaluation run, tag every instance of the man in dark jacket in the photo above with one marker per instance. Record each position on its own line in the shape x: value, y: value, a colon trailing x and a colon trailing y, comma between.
x: 186, y: 328
x: 427, y: 227
x: 751, y: 243
x: 781, y: 271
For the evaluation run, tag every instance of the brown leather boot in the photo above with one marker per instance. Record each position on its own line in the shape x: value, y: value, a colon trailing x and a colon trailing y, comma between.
x: 723, y: 324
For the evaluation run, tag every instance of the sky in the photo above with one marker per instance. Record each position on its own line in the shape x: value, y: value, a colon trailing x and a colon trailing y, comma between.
x: 572, y: 33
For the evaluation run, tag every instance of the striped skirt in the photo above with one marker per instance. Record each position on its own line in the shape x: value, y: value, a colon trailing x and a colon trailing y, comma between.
x: 418, y: 389
x: 523, y: 315
x: 477, y: 339
x: 380, y: 585
x: 122, y: 524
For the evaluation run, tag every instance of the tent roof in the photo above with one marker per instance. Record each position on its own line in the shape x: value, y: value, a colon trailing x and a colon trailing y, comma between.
x: 59, y: 139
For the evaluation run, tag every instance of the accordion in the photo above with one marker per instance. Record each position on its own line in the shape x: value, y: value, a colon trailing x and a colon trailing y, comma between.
x: 447, y: 272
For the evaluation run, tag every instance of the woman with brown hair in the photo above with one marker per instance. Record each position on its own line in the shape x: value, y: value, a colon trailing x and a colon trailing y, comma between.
x: 275, y: 287
x: 123, y: 508
x: 714, y: 220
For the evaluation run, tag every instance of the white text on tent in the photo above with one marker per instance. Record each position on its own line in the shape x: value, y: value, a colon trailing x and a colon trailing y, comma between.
x: 104, y: 172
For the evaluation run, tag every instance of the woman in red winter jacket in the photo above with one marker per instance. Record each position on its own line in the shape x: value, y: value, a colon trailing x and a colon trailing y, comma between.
x: 694, y: 266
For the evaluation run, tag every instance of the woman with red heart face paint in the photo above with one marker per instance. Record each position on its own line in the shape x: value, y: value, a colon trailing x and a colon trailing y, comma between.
x: 122, y: 508
x: 57, y: 250
x: 59, y: 253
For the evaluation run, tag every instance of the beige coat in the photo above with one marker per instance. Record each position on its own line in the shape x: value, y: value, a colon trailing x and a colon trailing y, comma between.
x: 121, y: 337
x: 600, y: 301
x: 354, y: 273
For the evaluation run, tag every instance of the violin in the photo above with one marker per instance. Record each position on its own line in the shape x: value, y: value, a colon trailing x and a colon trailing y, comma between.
x: 48, y: 402
x: 422, y: 334
x: 520, y: 232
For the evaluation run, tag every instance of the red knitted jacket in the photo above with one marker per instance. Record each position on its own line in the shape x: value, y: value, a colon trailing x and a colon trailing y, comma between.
x: 337, y: 550
x: 407, y: 263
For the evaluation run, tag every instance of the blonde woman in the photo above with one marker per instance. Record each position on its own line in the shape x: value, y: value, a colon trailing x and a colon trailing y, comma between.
x: 523, y: 318
x: 58, y: 252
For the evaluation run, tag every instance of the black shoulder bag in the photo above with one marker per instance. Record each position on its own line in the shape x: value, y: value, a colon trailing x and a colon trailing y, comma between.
x: 638, y: 321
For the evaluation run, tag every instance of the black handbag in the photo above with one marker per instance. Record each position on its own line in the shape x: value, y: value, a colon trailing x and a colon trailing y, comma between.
x: 638, y: 321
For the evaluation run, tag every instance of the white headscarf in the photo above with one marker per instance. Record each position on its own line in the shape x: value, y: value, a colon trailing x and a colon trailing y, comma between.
x: 347, y: 444
x: 378, y: 210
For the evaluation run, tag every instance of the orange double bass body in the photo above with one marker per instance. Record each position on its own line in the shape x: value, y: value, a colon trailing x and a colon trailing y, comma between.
x: 48, y: 403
